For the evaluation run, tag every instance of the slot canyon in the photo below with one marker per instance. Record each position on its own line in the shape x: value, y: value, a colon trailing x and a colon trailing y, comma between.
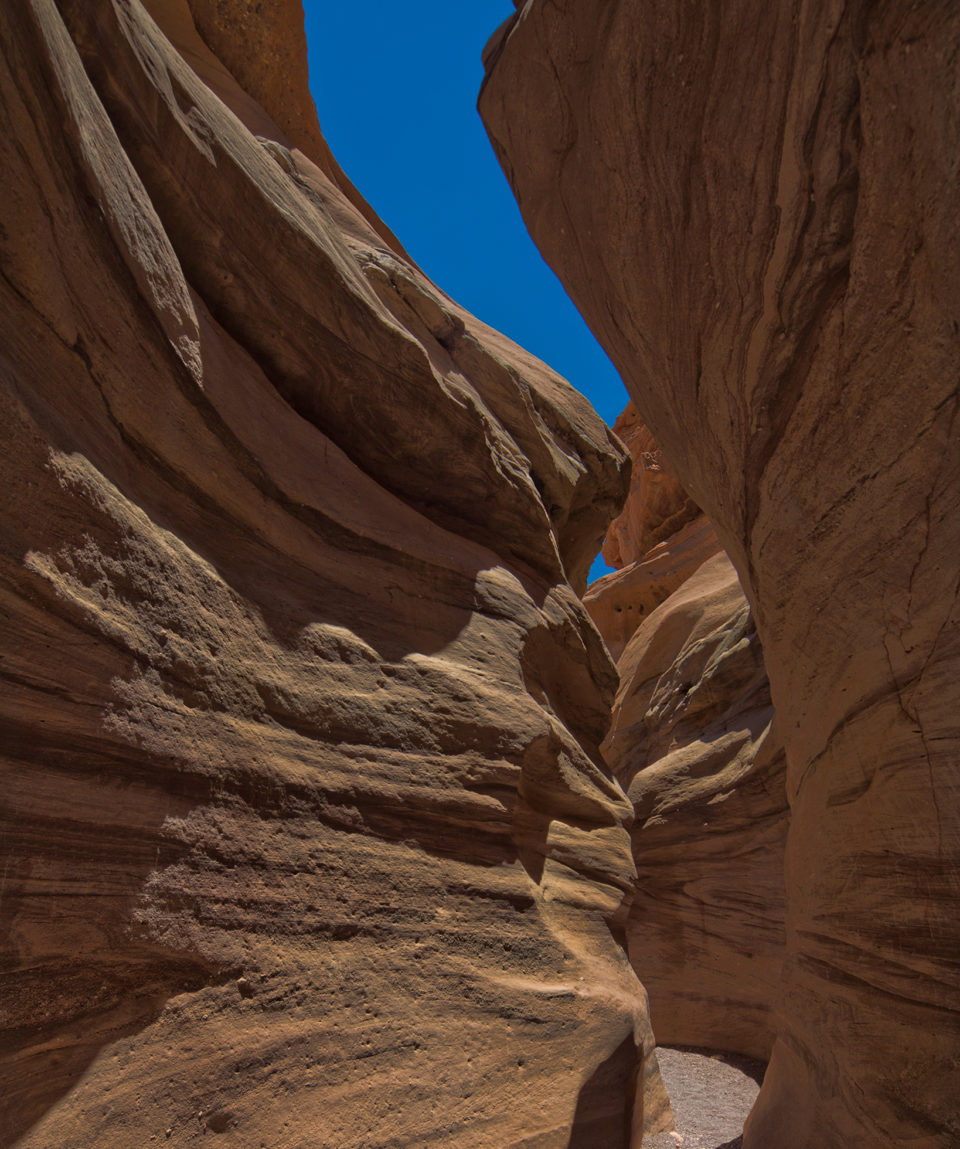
x: 339, y: 811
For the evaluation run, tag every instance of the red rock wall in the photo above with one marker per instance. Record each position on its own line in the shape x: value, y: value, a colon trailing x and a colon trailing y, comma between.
x: 308, y: 839
x: 657, y: 506
x: 693, y: 743
x: 756, y: 210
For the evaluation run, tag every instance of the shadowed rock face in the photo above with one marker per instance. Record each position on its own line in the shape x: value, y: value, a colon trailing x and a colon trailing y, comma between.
x: 308, y: 837
x: 694, y: 744
x: 756, y: 210
x: 692, y: 741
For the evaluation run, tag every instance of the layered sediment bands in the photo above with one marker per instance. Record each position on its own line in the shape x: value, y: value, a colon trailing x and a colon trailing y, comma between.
x: 309, y: 840
x: 694, y: 744
x: 692, y: 741
x: 756, y: 211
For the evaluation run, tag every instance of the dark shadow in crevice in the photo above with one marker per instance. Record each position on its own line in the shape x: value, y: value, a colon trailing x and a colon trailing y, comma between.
x: 604, y: 1112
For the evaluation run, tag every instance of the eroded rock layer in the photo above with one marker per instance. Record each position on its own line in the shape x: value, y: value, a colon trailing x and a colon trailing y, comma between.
x: 309, y: 840
x: 756, y: 210
x: 693, y: 742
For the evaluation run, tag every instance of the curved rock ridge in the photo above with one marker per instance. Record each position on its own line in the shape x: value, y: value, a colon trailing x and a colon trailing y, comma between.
x: 694, y: 744
x: 756, y: 211
x: 308, y: 836
x: 692, y: 741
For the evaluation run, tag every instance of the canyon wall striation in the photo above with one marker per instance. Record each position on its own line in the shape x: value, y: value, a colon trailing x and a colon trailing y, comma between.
x: 693, y: 741
x: 756, y: 209
x: 308, y: 837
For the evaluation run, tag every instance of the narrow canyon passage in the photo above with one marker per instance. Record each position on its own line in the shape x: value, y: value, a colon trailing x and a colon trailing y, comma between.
x: 309, y: 840
x: 339, y: 812
x: 711, y: 1095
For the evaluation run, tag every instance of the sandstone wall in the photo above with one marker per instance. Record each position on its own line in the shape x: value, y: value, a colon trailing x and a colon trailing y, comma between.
x: 695, y: 745
x: 308, y: 837
x: 693, y: 742
x: 657, y: 506
x: 755, y: 206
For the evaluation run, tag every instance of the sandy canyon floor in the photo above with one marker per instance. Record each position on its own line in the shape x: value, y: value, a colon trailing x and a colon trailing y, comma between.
x: 711, y: 1094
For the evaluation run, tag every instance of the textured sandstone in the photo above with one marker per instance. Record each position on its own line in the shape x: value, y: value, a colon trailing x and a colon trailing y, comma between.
x: 694, y: 744
x: 657, y: 506
x: 620, y: 601
x: 308, y: 837
x: 756, y: 211
x: 656, y: 542
x: 692, y: 741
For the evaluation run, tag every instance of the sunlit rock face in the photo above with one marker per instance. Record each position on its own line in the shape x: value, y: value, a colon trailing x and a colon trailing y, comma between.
x: 657, y: 506
x: 693, y: 742
x: 309, y: 840
x: 656, y: 543
x: 756, y: 210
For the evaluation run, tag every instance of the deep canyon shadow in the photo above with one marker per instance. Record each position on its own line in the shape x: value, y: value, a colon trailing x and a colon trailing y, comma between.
x: 605, y: 1103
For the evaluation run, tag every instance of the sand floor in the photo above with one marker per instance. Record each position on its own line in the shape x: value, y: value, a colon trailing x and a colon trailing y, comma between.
x: 711, y: 1094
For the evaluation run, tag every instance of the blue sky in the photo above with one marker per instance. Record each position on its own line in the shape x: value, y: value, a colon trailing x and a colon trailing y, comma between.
x: 396, y: 88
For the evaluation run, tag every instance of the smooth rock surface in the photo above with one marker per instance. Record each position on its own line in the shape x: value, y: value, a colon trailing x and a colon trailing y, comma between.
x: 756, y: 209
x: 308, y: 837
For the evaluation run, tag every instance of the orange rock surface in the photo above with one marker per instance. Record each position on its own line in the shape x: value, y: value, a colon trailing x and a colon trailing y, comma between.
x: 657, y: 506
x: 756, y: 211
x: 692, y: 741
x: 619, y: 602
x: 656, y: 542
x: 308, y: 838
